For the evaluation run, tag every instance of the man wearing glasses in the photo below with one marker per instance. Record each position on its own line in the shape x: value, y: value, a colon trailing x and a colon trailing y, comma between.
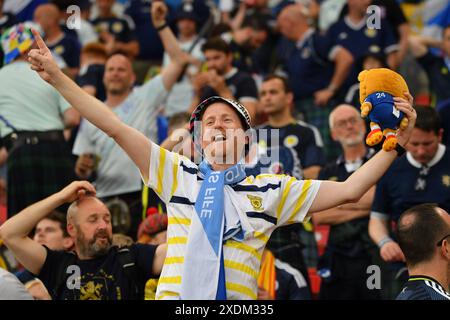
x: 422, y: 176
x: 424, y: 237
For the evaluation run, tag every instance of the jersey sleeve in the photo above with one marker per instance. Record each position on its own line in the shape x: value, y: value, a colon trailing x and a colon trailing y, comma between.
x: 51, y: 268
x: 247, y: 90
x: 166, y: 172
x: 313, y: 151
x: 380, y: 205
x: 296, y: 198
x: 144, y: 256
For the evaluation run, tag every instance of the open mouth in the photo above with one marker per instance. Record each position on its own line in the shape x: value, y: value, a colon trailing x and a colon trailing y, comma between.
x: 219, y: 137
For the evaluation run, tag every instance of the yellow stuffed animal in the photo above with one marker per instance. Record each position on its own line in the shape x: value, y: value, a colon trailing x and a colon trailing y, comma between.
x: 377, y: 90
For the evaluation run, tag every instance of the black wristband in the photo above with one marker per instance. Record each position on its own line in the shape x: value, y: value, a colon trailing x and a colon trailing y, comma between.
x: 400, y: 150
x: 162, y: 27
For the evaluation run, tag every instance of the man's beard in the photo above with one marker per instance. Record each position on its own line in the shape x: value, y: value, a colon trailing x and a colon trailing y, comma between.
x: 353, y: 141
x: 91, y: 248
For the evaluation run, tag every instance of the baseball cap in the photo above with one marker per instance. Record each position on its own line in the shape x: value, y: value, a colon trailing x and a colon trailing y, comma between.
x: 15, y: 41
x: 186, y: 11
x: 200, y: 109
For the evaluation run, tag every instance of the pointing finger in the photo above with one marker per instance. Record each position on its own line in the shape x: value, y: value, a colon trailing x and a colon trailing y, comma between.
x: 41, y: 44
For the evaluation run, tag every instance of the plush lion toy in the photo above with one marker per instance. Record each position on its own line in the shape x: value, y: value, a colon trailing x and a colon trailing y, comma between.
x: 377, y: 90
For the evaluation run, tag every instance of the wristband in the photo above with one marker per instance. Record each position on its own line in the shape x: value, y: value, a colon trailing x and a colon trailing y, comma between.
x: 384, y: 241
x: 162, y: 27
x: 400, y: 150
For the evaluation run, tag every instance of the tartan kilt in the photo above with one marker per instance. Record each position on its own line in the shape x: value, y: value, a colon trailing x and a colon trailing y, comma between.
x: 36, y: 171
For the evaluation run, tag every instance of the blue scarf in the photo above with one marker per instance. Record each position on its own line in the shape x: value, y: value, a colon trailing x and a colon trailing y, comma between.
x: 204, y: 272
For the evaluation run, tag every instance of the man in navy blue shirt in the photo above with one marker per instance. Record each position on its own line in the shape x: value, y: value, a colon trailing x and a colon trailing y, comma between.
x: 63, y: 45
x: 349, y: 250
x: 299, y: 145
x: 424, y: 236
x: 222, y: 79
x: 354, y: 33
x: 423, y: 175
x: 288, y: 146
x: 317, y: 68
x: 436, y: 67
x: 117, y: 33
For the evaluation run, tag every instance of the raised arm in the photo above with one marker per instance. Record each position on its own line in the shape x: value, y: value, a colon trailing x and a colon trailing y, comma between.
x: 332, y: 194
x: 14, y: 231
x: 178, y: 58
x: 343, y: 61
x: 134, y: 143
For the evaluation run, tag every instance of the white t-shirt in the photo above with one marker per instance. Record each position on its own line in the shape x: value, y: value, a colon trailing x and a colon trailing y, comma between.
x: 116, y: 172
x: 11, y: 288
x: 27, y: 102
x: 182, y: 93
x: 263, y: 203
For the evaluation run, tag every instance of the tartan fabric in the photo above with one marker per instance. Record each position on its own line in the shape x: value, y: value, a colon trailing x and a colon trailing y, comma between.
x: 287, y: 245
x: 318, y: 116
x: 36, y: 171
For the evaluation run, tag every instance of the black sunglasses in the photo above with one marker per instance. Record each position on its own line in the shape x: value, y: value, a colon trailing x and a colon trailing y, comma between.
x: 442, y: 240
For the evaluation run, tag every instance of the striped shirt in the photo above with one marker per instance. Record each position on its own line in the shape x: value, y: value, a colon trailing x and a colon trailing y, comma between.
x: 263, y: 203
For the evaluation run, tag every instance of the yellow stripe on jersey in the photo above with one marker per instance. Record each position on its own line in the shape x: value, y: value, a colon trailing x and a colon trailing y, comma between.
x: 301, y: 200
x: 162, y: 162
x: 167, y: 294
x: 241, y: 267
x: 261, y: 236
x: 174, y: 260
x: 170, y: 280
x: 243, y: 247
x: 177, y: 240
x: 177, y: 220
x: 284, y: 197
x: 241, y: 289
x: 269, y: 175
x: 175, y: 174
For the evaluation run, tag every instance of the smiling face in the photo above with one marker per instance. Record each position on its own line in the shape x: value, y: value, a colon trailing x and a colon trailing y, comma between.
x: 90, y: 226
x: 119, y: 76
x: 223, y: 136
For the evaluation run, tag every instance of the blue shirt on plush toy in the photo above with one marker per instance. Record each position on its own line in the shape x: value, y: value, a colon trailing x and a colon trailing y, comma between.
x: 383, y: 110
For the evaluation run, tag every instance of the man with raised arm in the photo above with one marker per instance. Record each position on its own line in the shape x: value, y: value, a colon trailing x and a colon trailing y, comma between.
x: 96, y: 270
x: 114, y: 176
x: 219, y: 219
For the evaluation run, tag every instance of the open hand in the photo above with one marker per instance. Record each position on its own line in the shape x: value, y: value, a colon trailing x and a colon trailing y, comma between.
x: 42, y: 61
x: 406, y: 106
